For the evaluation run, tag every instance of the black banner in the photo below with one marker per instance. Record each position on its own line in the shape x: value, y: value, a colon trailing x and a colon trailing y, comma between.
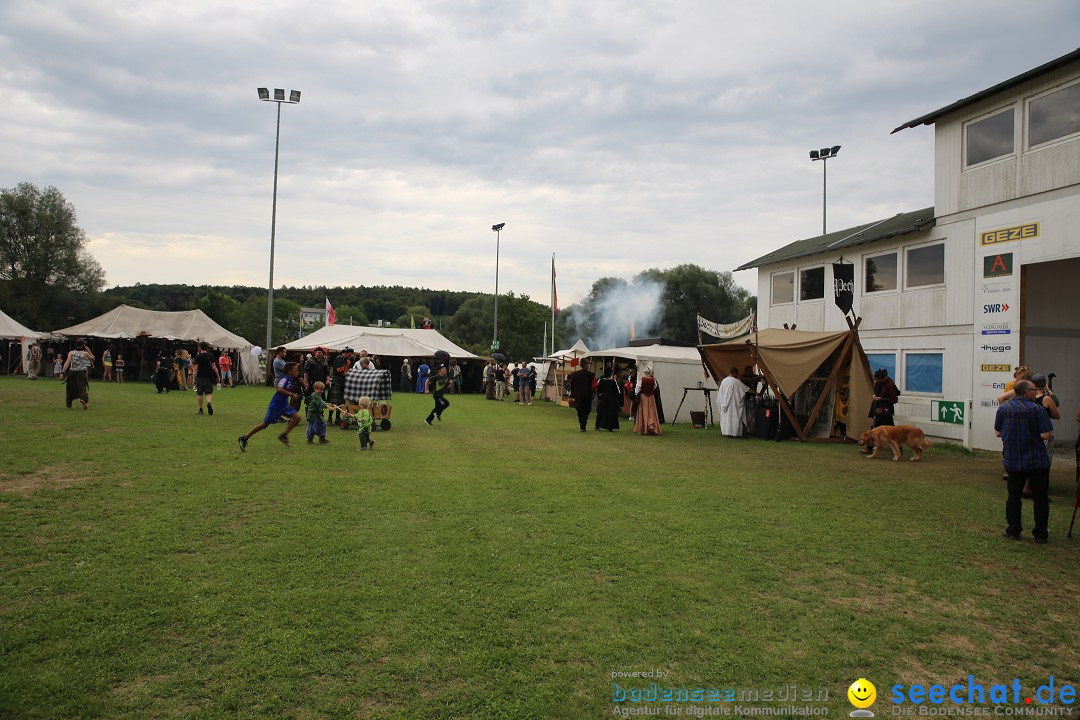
x: 843, y: 285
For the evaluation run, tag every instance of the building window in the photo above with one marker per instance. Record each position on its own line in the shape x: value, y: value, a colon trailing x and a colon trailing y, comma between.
x: 812, y: 284
x: 925, y: 265
x: 881, y: 273
x: 783, y: 288
x: 1054, y: 116
x: 989, y: 138
x: 923, y: 372
x: 882, y: 361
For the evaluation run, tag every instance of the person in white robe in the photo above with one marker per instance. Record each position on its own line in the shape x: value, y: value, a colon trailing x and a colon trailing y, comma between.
x: 730, y: 400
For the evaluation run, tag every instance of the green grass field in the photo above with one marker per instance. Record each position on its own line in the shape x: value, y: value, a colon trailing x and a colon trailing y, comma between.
x: 498, y: 565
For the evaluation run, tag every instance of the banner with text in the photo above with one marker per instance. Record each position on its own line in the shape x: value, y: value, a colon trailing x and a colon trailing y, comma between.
x: 729, y: 331
x: 843, y: 285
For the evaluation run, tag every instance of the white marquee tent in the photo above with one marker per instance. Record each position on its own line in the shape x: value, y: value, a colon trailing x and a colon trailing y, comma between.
x: 127, y: 323
x: 17, y: 333
x: 11, y: 329
x: 389, y: 342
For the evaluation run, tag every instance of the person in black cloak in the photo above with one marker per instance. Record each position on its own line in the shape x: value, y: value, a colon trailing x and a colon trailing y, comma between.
x: 609, y: 400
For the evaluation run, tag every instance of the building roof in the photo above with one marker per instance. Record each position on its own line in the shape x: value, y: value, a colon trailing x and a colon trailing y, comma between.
x: 899, y: 224
x: 1000, y: 87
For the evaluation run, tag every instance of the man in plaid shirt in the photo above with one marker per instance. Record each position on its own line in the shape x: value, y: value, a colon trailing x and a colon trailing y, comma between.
x: 1023, y: 425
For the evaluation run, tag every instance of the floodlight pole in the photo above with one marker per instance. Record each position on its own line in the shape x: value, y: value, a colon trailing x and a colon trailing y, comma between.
x: 824, y: 191
x: 279, y: 98
x: 823, y: 155
x: 495, y: 336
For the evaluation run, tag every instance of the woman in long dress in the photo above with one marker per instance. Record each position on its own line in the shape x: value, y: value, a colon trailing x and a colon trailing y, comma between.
x: 609, y: 401
x: 422, y: 377
x: 77, y: 372
x: 646, y: 419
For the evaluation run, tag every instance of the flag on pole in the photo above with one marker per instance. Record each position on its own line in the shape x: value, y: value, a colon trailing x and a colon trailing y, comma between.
x: 554, y: 303
x: 412, y: 322
x: 554, y: 294
x: 331, y: 316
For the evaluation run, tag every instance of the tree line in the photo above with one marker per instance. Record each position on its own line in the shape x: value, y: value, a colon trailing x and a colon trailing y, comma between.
x: 48, y: 280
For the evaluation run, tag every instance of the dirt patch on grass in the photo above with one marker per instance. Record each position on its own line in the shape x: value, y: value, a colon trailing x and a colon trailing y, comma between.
x: 141, y: 686
x: 46, y: 478
x: 957, y: 643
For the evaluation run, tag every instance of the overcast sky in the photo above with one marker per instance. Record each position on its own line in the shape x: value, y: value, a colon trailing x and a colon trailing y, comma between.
x: 617, y: 135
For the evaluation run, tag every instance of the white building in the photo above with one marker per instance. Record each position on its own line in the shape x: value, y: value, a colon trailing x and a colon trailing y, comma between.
x: 954, y: 297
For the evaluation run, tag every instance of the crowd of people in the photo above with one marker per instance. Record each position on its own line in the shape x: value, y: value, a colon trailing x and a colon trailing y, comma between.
x: 319, y: 382
x: 174, y: 369
x: 609, y: 393
x: 46, y: 361
x: 504, y: 379
x: 1024, y: 419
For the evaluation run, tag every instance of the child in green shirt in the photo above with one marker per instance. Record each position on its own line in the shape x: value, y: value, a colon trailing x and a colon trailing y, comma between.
x: 316, y: 424
x: 363, y: 422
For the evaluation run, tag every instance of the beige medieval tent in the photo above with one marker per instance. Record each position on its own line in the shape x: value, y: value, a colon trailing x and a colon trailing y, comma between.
x: 821, y: 379
x: 188, y: 326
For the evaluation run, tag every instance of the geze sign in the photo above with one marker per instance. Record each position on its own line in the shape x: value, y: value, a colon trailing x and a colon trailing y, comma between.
x: 843, y: 285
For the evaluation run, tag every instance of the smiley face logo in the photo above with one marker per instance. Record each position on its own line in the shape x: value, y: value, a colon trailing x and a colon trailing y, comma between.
x: 862, y: 693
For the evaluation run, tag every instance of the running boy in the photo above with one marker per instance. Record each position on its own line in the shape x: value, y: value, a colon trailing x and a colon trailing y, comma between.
x: 279, y: 407
x: 437, y: 386
x: 316, y: 423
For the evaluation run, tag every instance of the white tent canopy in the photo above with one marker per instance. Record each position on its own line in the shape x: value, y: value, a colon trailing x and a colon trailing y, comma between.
x: 673, y: 367
x: 127, y: 323
x: 389, y: 342
x: 579, y: 349
x: 13, y: 330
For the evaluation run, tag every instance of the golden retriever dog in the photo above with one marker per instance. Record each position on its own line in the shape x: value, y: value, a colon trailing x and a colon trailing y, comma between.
x: 894, y: 436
